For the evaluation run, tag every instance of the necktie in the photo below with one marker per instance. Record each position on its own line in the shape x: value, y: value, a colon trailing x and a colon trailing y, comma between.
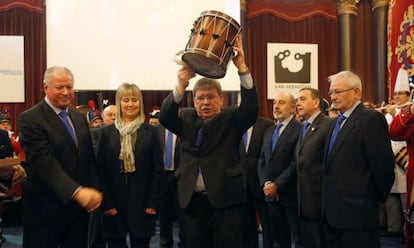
x: 168, y: 150
x: 245, y: 140
x: 305, y: 129
x: 336, y: 130
x: 199, y: 136
x: 64, y: 115
x: 275, y: 136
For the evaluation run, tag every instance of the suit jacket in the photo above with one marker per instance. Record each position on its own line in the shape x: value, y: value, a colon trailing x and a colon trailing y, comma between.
x: 307, y: 167
x: 273, y: 164
x: 358, y: 172
x: 130, y: 193
x: 6, y: 149
x: 249, y: 159
x: 55, y: 165
x: 218, y: 154
x: 95, y: 137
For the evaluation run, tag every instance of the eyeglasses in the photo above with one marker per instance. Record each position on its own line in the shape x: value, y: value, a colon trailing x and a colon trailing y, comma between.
x: 336, y: 92
x: 203, y: 97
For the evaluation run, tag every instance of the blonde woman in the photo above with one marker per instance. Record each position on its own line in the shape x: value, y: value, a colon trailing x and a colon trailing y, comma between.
x: 130, y: 163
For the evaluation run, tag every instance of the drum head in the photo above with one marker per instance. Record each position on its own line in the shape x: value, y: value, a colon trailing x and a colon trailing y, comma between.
x: 205, y: 66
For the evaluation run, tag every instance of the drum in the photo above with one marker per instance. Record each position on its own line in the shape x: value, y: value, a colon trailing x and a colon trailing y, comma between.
x: 209, y: 48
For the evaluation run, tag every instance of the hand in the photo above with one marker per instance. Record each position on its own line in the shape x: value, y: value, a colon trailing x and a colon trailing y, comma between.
x: 239, y: 60
x: 150, y: 211
x: 185, y: 73
x: 270, y: 189
x: 19, y: 174
x: 88, y: 198
x: 391, y: 110
x: 111, y: 212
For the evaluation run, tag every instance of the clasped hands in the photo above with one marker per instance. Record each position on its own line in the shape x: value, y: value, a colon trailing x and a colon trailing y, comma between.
x: 88, y: 198
x: 270, y: 189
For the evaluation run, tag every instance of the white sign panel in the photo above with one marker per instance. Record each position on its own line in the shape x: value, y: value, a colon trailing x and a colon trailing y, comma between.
x: 11, y: 69
x: 290, y: 67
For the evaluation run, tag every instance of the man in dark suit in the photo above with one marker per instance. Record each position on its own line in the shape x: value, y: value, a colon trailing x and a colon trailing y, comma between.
x: 358, y: 168
x: 277, y: 154
x: 250, y: 149
x: 169, y: 207
x: 210, y: 183
x: 60, y: 166
x: 307, y: 168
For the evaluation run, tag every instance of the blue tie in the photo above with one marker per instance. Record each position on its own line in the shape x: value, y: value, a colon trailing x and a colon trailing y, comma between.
x: 245, y: 140
x: 64, y: 115
x: 335, y: 132
x: 168, y: 150
x: 305, y: 129
x: 199, y: 136
x: 275, y: 136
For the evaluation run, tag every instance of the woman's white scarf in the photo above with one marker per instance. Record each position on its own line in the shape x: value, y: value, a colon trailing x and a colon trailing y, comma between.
x: 127, y: 154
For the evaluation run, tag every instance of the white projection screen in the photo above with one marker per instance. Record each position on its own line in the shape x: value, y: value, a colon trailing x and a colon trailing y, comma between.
x: 108, y: 42
x: 12, y: 69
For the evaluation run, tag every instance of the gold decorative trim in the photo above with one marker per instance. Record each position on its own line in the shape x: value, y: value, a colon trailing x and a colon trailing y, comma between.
x: 243, y: 4
x: 347, y: 7
x: 379, y: 3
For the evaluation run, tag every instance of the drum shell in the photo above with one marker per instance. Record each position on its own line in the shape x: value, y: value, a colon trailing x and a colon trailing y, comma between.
x: 209, y: 48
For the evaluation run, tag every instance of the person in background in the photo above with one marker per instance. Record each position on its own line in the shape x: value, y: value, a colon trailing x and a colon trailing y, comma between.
x: 154, y: 116
x: 108, y: 117
x: 276, y: 156
x: 60, y: 187
x: 210, y: 183
x: 402, y: 129
x: 93, y: 116
x: 6, y: 124
x: 109, y: 114
x: 307, y: 168
x: 6, y: 151
x: 169, y: 207
x: 332, y: 112
x: 396, y: 200
x: 130, y: 164
x: 13, y: 191
x: 358, y: 168
x: 250, y: 149
x: 95, y: 239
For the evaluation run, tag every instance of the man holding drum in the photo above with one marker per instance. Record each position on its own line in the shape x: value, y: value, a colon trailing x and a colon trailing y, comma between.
x: 210, y: 182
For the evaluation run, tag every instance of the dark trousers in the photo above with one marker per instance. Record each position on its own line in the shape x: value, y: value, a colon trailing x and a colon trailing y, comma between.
x: 351, y: 238
x: 135, y: 243
x: 251, y: 238
x: 207, y: 227
x: 169, y: 211
x: 312, y: 233
x: 95, y: 239
x: 284, y: 225
x: 67, y: 235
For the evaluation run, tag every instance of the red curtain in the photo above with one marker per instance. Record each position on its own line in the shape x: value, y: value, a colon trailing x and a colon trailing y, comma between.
x: 30, y: 5
x: 290, y: 22
x: 400, y: 40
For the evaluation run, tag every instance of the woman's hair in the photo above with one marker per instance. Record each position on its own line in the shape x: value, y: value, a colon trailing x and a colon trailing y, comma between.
x: 127, y: 89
